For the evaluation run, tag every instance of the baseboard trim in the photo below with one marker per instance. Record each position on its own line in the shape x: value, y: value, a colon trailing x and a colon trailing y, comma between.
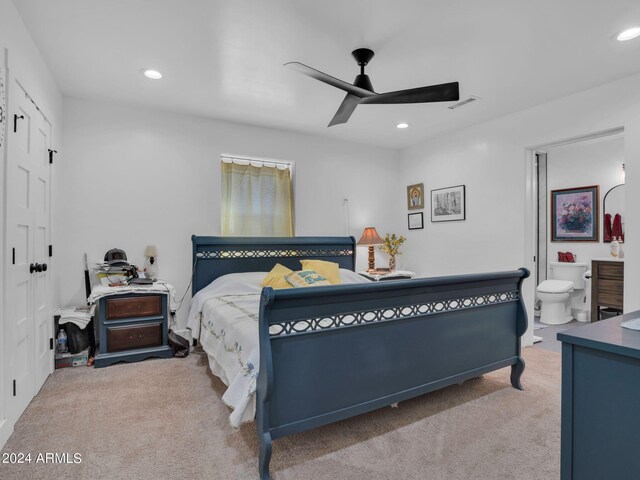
x: 6, y: 429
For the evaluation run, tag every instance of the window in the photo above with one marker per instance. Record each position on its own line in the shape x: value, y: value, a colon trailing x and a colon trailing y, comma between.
x: 256, y: 197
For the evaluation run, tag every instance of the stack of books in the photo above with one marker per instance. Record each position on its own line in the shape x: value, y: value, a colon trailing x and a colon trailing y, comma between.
x: 112, y: 274
x: 64, y: 360
x: 385, y: 274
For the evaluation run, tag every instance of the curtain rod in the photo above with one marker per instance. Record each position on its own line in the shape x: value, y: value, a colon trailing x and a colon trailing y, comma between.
x: 256, y: 159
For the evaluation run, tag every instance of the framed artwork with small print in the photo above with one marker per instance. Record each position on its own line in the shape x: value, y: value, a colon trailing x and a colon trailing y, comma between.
x: 415, y: 196
x: 416, y: 221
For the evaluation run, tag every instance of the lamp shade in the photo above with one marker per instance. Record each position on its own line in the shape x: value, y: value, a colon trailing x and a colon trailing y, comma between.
x: 370, y: 237
x: 151, y: 251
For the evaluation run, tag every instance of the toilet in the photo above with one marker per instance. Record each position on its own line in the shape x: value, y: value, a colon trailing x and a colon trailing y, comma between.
x: 566, y: 280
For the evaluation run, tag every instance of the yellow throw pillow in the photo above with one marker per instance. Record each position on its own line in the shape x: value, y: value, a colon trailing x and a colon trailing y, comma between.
x: 306, y: 278
x: 329, y: 270
x: 275, y: 278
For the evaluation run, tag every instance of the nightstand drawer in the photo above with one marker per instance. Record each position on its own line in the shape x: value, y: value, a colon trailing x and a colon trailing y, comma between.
x: 131, y: 337
x: 133, y: 307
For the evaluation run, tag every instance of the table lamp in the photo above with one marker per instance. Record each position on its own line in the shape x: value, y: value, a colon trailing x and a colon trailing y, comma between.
x: 370, y: 238
x: 151, y: 266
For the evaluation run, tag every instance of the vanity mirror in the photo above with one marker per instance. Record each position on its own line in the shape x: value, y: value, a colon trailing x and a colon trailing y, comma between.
x: 612, y: 205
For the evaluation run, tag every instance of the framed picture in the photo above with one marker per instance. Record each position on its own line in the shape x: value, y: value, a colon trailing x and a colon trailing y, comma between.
x: 448, y: 204
x: 575, y: 215
x: 416, y: 221
x: 415, y: 196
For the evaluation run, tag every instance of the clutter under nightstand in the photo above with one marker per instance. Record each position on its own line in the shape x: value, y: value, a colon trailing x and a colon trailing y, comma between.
x: 73, y: 329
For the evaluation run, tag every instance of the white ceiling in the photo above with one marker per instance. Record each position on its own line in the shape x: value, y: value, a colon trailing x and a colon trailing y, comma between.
x: 223, y: 59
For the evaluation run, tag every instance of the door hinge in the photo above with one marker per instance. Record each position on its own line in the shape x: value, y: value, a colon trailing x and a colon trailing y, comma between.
x: 14, y: 387
x: 13, y: 256
x: 51, y: 250
x: 51, y: 344
x: 51, y: 152
x: 16, y: 117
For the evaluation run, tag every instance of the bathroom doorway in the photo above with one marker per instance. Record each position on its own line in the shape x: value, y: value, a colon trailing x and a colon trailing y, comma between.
x: 590, y: 161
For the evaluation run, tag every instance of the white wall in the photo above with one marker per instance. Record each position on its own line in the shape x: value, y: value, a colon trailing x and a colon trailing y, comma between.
x: 491, y: 160
x: 25, y: 63
x: 134, y: 177
x: 595, y: 162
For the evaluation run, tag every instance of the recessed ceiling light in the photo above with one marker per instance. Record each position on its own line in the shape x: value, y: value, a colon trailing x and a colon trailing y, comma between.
x: 152, y: 74
x: 628, y: 34
x: 402, y: 125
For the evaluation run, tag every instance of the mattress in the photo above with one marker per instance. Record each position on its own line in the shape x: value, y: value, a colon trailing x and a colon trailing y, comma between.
x: 224, y: 317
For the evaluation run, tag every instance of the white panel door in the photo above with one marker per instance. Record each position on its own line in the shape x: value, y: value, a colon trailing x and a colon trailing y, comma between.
x: 19, y: 218
x: 27, y: 313
x: 41, y: 229
x: 5, y: 427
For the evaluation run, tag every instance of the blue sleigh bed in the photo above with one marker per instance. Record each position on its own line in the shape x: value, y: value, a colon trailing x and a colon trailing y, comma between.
x: 330, y: 353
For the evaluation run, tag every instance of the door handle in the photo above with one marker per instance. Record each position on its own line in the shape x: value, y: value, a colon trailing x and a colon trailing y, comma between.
x: 16, y: 117
x: 37, y: 267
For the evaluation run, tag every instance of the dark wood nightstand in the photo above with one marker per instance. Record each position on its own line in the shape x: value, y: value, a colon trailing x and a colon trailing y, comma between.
x: 132, y: 327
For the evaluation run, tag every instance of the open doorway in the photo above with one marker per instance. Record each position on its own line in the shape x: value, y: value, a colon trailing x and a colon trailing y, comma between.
x: 592, y: 164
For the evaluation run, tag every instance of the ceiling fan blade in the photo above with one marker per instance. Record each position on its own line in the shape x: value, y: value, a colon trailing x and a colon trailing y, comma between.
x: 445, y: 92
x: 328, y: 79
x: 345, y: 109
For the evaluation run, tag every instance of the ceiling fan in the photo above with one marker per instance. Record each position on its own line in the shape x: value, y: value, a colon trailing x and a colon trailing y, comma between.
x: 361, y: 91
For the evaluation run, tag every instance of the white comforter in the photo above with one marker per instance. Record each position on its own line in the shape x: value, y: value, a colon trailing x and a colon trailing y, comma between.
x: 224, y: 316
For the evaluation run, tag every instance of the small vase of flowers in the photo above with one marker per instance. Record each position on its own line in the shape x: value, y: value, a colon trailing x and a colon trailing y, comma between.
x: 391, y: 247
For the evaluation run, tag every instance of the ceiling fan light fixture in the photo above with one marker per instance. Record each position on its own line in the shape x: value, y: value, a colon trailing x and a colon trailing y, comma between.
x: 402, y: 125
x: 628, y: 34
x: 151, y: 73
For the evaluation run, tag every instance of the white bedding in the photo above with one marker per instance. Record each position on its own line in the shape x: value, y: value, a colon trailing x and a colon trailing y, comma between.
x: 224, y: 317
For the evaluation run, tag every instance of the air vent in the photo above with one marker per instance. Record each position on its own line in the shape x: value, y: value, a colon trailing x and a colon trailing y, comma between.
x: 464, y: 102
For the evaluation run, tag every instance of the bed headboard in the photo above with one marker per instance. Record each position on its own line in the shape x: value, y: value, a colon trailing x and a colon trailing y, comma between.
x: 217, y: 256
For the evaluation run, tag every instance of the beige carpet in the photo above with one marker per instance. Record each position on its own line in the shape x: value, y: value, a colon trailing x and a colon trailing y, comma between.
x: 163, y: 419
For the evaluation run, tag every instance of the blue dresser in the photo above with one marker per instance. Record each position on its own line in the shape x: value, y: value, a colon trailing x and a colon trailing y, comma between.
x: 132, y: 327
x: 601, y: 401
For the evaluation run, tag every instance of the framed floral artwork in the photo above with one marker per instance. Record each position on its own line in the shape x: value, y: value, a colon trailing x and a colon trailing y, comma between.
x: 575, y: 215
x: 415, y: 196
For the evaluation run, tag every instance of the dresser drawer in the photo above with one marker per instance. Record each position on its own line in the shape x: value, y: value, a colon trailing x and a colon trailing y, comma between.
x: 131, y: 337
x: 610, y: 293
x: 146, y: 306
x: 613, y: 271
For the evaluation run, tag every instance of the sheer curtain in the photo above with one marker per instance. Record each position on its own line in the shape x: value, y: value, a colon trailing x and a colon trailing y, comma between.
x: 256, y: 199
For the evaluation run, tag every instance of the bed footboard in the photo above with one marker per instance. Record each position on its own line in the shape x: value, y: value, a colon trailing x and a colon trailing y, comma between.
x: 331, y: 353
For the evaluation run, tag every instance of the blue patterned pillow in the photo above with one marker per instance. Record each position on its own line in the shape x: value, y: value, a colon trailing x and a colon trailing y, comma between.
x: 306, y: 278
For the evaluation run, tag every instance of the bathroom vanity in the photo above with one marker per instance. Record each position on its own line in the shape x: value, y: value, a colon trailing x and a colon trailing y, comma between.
x: 607, y: 285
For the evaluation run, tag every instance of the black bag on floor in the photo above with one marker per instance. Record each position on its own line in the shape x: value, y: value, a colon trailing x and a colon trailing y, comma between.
x: 179, y: 345
x: 77, y: 338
